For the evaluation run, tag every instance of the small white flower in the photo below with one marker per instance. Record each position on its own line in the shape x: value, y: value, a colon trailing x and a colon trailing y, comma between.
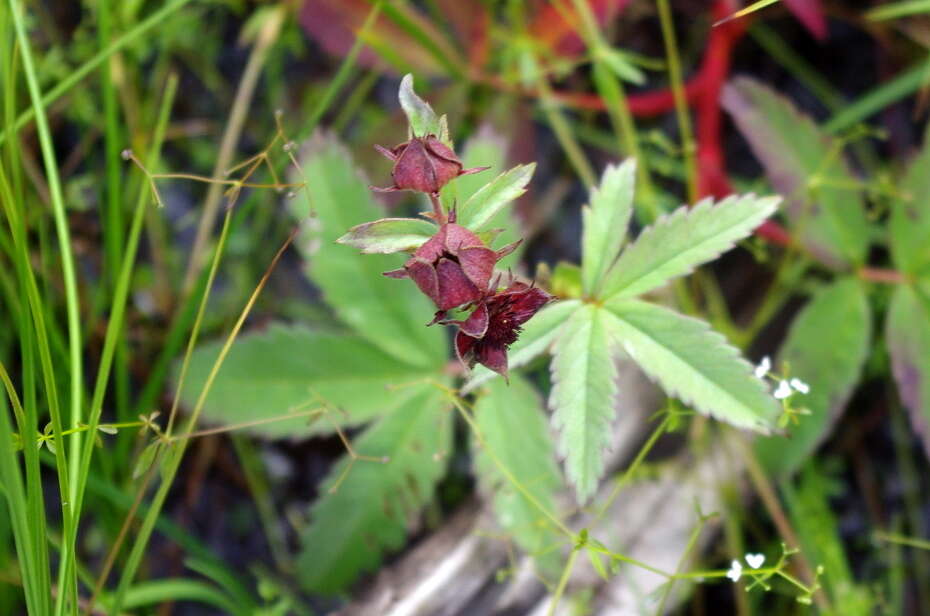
x: 755, y: 560
x: 800, y: 386
x: 782, y: 391
x: 736, y: 570
x: 763, y: 368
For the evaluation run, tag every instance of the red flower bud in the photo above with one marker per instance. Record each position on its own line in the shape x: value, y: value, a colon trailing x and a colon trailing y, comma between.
x: 453, y: 267
x: 495, y: 324
x: 424, y: 164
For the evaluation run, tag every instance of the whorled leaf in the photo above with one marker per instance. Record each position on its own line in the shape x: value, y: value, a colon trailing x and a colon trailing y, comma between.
x: 514, y: 427
x: 681, y: 241
x: 423, y: 120
x: 294, y: 370
x: 605, y: 222
x: 909, y: 224
x: 823, y: 200
x: 389, y: 235
x: 826, y: 347
x: 908, y: 336
x: 691, y: 362
x: 391, y: 314
x: 369, y: 510
x: 535, y: 339
x: 584, y: 377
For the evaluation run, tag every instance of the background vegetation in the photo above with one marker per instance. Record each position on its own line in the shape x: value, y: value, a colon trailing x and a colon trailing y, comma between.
x: 212, y: 407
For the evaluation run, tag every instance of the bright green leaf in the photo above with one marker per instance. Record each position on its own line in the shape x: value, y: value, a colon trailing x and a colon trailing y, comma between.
x: 684, y: 239
x: 293, y: 370
x: 489, y: 200
x: 620, y: 65
x: 514, y: 426
x: 584, y: 377
x: 692, y: 363
x: 486, y: 149
x: 909, y: 225
x: 368, y: 513
x: 389, y: 235
x: 823, y: 198
x: 826, y: 348
x: 908, y: 335
x: 538, y: 333
x: 605, y: 223
x: 422, y: 118
x: 390, y: 313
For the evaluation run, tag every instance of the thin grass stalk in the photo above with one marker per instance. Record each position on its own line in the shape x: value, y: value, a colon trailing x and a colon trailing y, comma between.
x: 67, y: 583
x: 78, y: 74
x: 118, y: 307
x: 175, y: 454
x: 237, y: 116
x: 678, y: 94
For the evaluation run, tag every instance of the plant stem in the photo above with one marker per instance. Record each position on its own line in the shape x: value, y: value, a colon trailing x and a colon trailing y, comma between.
x: 67, y: 578
x: 678, y: 92
x: 237, y: 116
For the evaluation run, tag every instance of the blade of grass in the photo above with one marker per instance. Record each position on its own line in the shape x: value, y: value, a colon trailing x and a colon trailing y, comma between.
x: 878, y: 98
x: 121, y: 293
x: 175, y: 453
x: 67, y: 583
x: 74, y: 77
x: 237, y: 116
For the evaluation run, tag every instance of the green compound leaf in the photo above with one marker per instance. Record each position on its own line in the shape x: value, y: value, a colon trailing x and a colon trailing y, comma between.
x: 535, y: 339
x: 684, y: 239
x: 423, y: 120
x: 368, y: 513
x: 515, y: 428
x: 604, y: 223
x: 490, y: 199
x: 909, y: 225
x: 693, y: 363
x: 584, y: 376
x: 389, y: 235
x: 826, y: 348
x: 294, y: 370
x: 908, y: 336
x: 390, y: 313
x: 823, y: 199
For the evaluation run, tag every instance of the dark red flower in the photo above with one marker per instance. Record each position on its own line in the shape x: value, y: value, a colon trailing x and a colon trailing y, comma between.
x: 453, y: 267
x: 424, y: 164
x: 495, y: 324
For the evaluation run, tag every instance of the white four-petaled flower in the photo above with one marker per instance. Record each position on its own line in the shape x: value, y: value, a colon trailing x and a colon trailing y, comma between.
x: 782, y: 391
x: 799, y: 386
x: 736, y: 570
x: 763, y: 368
x: 755, y: 560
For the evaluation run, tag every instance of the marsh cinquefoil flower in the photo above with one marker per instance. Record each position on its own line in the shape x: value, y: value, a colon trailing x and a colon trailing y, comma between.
x: 424, y: 164
x: 453, y: 267
x: 495, y: 324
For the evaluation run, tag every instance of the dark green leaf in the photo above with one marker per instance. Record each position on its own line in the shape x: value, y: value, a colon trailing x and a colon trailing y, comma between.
x: 826, y: 348
x: 515, y: 428
x: 824, y: 201
x: 908, y: 336
x: 390, y: 313
x: 369, y: 511
x: 293, y: 370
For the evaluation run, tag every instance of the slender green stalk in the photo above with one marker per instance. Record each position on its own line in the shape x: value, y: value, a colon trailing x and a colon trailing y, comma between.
x: 75, y: 76
x: 563, y: 581
x: 67, y: 584
x: 261, y: 494
x: 121, y: 293
x: 678, y: 93
x: 237, y: 116
x: 551, y: 108
x: 175, y: 453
